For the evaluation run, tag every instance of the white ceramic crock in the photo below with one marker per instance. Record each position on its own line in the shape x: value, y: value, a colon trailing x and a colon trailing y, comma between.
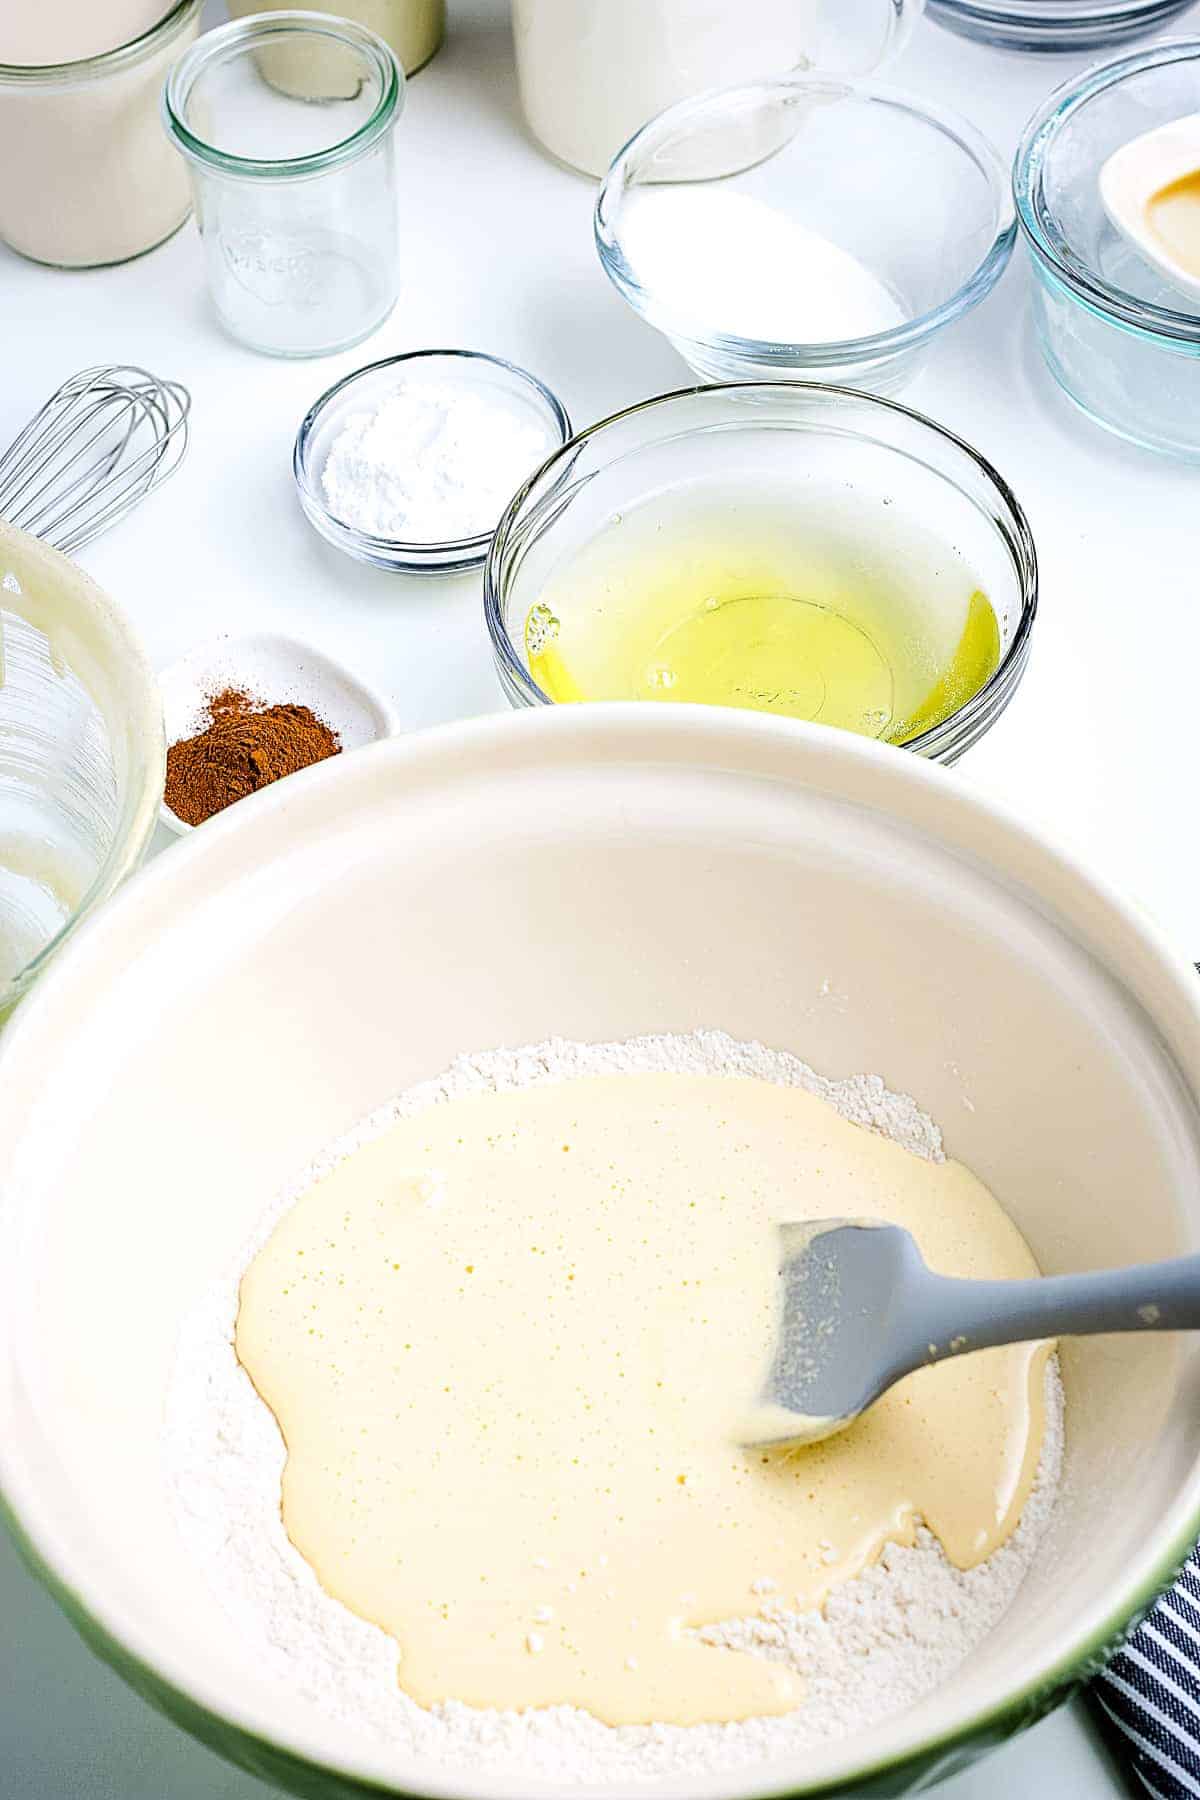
x: 594, y: 872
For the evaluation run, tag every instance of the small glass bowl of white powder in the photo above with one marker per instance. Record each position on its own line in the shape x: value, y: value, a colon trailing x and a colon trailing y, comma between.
x: 805, y: 226
x: 409, y: 463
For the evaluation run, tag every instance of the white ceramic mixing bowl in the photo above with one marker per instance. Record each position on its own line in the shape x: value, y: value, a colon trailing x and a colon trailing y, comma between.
x: 593, y: 872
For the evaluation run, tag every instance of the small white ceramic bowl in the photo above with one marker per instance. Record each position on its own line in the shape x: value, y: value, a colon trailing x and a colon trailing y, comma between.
x: 275, y: 670
x: 1137, y: 172
x: 597, y: 872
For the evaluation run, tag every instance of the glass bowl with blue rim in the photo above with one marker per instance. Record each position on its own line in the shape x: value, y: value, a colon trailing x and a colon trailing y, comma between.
x: 487, y: 378
x: 1119, y: 338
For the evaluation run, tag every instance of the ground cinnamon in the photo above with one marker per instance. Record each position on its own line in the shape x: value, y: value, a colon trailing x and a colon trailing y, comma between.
x: 244, y: 746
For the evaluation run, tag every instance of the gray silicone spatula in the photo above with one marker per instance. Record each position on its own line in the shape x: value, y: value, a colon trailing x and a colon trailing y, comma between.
x: 861, y: 1310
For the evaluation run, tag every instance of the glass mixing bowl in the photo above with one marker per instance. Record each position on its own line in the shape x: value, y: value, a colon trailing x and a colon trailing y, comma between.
x: 1054, y: 24
x: 81, y: 754
x: 1121, y: 340
x: 705, y: 452
x: 805, y: 225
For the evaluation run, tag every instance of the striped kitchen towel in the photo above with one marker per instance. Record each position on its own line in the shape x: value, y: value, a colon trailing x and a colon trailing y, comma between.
x: 1151, y: 1691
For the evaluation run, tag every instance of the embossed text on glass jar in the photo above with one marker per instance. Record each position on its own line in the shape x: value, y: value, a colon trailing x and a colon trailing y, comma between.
x: 295, y: 201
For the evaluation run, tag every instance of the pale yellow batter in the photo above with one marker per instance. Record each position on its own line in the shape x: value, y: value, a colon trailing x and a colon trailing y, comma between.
x: 508, y: 1344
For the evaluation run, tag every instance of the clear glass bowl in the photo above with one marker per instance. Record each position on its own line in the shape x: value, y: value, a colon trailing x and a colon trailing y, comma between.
x: 365, y: 389
x: 287, y: 122
x: 804, y: 439
x: 706, y: 223
x: 81, y: 755
x: 1122, y: 342
x: 1054, y: 24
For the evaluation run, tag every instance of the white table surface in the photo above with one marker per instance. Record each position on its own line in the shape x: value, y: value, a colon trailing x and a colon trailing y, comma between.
x: 1099, y: 743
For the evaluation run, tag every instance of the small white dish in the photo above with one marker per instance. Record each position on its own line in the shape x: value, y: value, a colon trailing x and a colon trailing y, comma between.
x: 1137, y: 175
x: 275, y: 670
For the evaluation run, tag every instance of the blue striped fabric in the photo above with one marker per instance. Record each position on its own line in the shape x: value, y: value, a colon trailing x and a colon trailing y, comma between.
x: 1151, y: 1691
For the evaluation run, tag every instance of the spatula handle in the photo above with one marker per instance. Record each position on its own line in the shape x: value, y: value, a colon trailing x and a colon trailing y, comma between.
x: 971, y: 1315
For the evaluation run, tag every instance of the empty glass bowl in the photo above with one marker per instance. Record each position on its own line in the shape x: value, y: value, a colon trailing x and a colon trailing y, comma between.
x: 1123, y: 343
x: 81, y: 754
x: 1054, y: 24
x: 805, y: 226
x: 689, y: 487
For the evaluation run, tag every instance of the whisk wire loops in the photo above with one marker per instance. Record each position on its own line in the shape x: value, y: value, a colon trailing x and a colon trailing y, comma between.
x: 98, y: 446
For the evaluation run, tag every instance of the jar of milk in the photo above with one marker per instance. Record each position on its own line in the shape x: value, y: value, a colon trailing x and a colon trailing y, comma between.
x: 592, y: 71
x: 86, y: 174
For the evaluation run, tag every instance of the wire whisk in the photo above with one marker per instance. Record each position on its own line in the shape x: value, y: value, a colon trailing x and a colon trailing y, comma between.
x: 98, y: 446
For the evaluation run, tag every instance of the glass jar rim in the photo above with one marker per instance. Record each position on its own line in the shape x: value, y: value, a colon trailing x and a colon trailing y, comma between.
x: 1117, y: 305
x: 242, y: 35
x: 105, y: 62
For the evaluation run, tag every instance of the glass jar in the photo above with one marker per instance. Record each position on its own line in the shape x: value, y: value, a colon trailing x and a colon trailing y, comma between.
x: 592, y: 72
x: 295, y: 202
x: 86, y: 175
x: 414, y: 29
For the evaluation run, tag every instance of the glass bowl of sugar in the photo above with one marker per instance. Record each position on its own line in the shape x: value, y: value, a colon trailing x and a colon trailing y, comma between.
x: 409, y: 463
x: 805, y: 226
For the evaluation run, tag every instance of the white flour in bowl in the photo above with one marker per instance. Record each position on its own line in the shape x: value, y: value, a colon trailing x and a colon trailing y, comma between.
x: 433, y: 463
x: 881, y: 1642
